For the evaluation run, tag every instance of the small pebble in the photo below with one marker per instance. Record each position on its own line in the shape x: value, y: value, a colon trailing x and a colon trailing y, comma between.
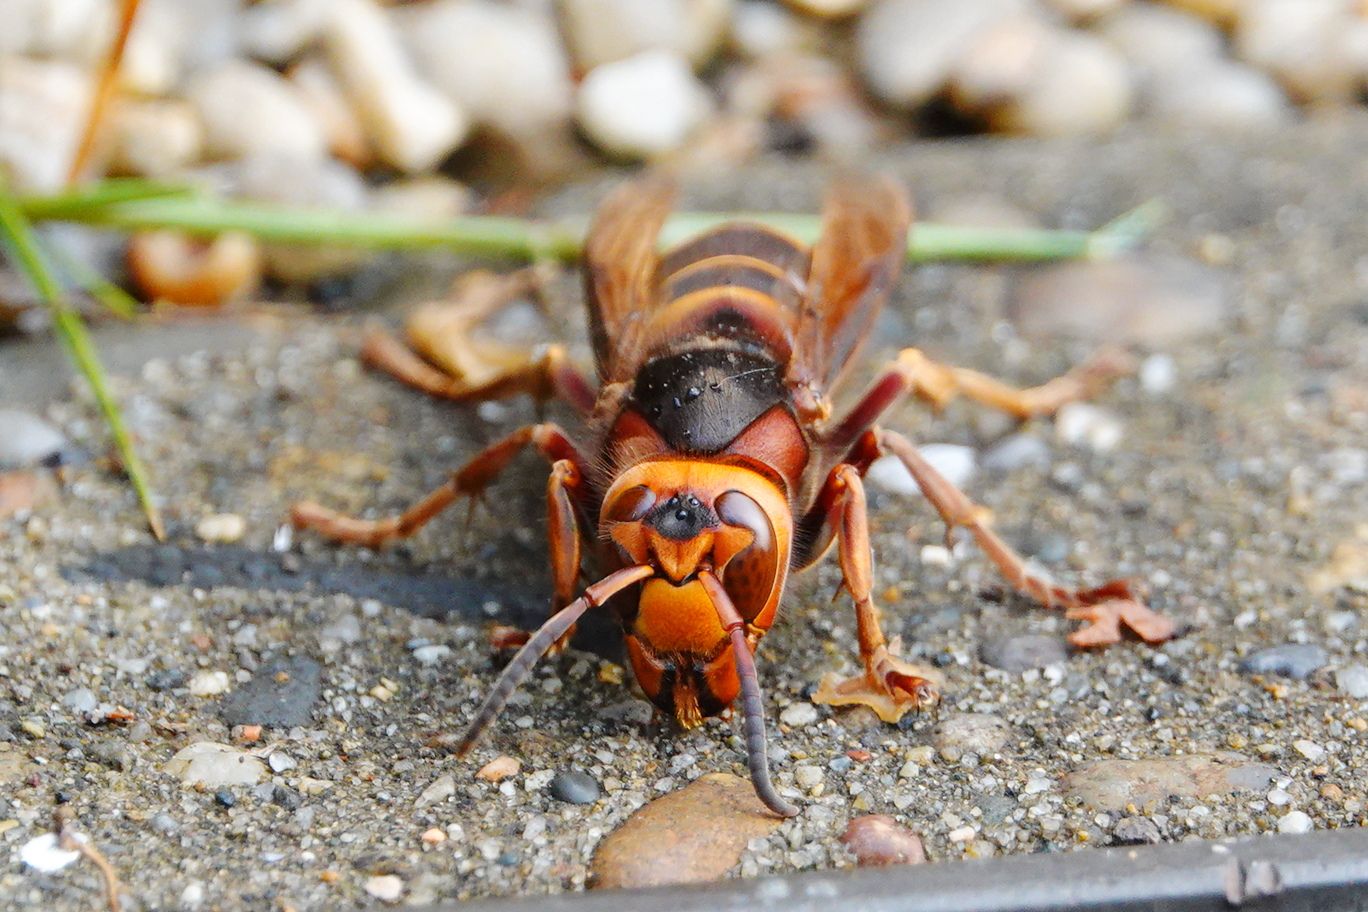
x: 1353, y: 680
x: 498, y: 769
x: 808, y: 777
x: 385, y: 887
x: 980, y: 733
x: 798, y: 715
x: 433, y: 837
x: 213, y: 766
x: 225, y: 798
x: 1310, y: 750
x: 1158, y: 374
x: 81, y: 700
x: 1082, y: 423
x: 1295, y: 822
x: 575, y: 787
x: 45, y: 855
x: 878, y: 839
x: 1290, y: 660
x: 209, y: 683
x: 1017, y: 451
x: 442, y: 788
x: 641, y: 107
x: 1136, y: 831
x: 221, y: 528
x: 27, y: 441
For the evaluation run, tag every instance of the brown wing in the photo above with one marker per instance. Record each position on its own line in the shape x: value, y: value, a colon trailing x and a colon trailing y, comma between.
x: 855, y: 264
x: 619, y: 272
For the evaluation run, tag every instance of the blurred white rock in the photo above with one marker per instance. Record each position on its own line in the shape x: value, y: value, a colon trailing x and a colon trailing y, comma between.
x: 412, y: 125
x: 504, y: 66
x: 603, y: 31
x: 829, y: 9
x: 908, y: 48
x: 1156, y: 39
x: 42, y: 113
x: 154, y: 137
x: 759, y: 29
x: 321, y: 93
x: 250, y: 110
x: 279, y: 30
x: 1220, y: 94
x: 1081, y: 87
x: 430, y: 196
x: 72, y: 30
x: 1308, y: 45
x: 642, y: 107
x: 172, y: 39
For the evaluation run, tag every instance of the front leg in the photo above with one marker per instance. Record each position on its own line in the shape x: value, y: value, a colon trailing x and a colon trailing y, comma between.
x: 889, y: 685
x: 1106, y: 608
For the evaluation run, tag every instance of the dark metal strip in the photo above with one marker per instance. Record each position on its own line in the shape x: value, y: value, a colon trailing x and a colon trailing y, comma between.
x: 1321, y: 872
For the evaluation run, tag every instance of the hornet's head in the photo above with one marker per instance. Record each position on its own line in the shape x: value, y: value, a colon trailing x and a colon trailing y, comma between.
x: 682, y: 517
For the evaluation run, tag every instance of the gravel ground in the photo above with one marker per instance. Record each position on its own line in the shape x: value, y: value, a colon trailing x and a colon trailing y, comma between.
x: 1226, y: 490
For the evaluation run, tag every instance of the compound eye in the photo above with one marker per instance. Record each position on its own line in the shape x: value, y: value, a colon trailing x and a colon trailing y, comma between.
x: 749, y: 576
x: 631, y: 505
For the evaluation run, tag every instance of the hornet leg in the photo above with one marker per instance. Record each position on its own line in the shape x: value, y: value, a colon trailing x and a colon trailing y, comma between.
x: 1106, y: 608
x: 889, y: 685
x: 449, y: 360
x: 937, y: 384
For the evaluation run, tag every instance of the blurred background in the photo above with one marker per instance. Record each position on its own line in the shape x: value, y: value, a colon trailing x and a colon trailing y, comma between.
x: 462, y: 106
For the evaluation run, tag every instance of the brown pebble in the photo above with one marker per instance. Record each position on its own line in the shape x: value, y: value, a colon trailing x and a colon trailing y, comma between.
x: 878, y: 839
x: 433, y: 836
x: 22, y: 491
x: 498, y: 769
x: 692, y: 835
x: 248, y: 733
x: 329, y: 877
x: 1332, y: 792
x: 859, y: 756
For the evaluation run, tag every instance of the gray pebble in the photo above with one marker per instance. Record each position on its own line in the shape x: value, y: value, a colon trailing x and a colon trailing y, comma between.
x: 979, y: 733
x: 1021, y: 653
x: 1290, y: 660
x: 1353, y: 680
x: 1135, y: 831
x: 80, y: 700
x: 112, y: 754
x: 164, y: 823
x: 575, y: 787
x: 27, y: 440
x: 1017, y: 451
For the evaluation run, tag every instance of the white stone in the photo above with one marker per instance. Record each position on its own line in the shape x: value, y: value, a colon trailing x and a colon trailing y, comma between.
x: 1279, y: 797
x: 73, y: 30
x: 957, y: 463
x: 1221, y: 94
x: 909, y: 770
x: 320, y: 91
x: 798, y: 715
x: 502, y: 65
x: 603, y: 31
x: 1158, y: 374
x: 412, y: 125
x: 42, y: 114
x: 1082, y: 86
x: 641, y: 107
x: 45, y: 854
x: 1038, y: 783
x: 1295, y: 822
x: 808, y: 776
x: 387, y: 888
x: 1309, y: 749
x: 1353, y: 680
x: 173, y: 38
x: 961, y: 834
x: 908, y: 48
x: 213, y: 765
x: 1156, y: 39
x: 154, y: 138
x: 1085, y: 424
x: 441, y: 788
x: 249, y: 110
x: 221, y: 528
x: 935, y: 555
x: 1306, y: 44
x: 209, y: 683
x: 760, y: 29
x: 279, y: 30
x: 432, y: 653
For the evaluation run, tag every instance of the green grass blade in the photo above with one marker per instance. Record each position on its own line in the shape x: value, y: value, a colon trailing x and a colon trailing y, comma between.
x: 17, y: 233
x: 498, y: 236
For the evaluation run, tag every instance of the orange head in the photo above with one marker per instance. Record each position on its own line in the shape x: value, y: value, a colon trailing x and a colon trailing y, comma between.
x: 682, y: 517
